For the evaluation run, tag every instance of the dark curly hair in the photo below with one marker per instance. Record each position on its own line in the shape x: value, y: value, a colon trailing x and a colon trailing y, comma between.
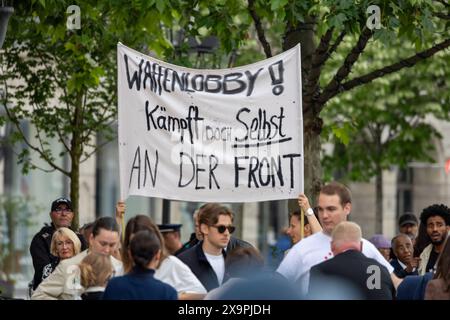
x: 435, y: 210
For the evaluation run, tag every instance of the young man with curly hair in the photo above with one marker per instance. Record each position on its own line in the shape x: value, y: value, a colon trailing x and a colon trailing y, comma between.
x: 436, y: 219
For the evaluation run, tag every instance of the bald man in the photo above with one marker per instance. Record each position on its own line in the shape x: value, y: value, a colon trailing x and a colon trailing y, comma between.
x: 350, y: 274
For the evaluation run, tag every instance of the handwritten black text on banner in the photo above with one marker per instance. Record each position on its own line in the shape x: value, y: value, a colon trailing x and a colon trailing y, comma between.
x: 228, y: 135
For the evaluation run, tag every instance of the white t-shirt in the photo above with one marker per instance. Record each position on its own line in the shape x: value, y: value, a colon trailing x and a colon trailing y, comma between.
x: 175, y: 273
x: 314, y: 250
x: 218, y: 265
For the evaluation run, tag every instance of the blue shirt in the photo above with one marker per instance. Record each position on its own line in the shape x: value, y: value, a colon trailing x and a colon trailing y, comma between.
x: 139, y: 284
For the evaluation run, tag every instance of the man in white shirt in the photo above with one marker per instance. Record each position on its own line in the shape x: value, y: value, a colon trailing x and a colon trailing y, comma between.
x: 334, y: 206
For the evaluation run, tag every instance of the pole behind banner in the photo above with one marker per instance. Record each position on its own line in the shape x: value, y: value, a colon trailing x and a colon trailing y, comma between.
x: 123, y: 228
x: 302, y: 224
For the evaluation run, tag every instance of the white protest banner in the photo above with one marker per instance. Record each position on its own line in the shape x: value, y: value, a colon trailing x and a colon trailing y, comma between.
x: 228, y: 135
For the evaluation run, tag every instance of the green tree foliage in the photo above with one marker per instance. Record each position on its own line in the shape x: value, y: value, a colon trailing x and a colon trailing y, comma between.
x: 323, y: 27
x: 64, y: 81
x: 387, y: 122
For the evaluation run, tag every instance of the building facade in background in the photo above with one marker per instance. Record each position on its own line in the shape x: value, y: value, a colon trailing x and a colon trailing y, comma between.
x: 261, y: 224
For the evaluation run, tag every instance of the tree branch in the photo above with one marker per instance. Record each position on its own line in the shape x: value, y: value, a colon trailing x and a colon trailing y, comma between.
x: 442, y: 15
x: 312, y: 80
x: 103, y: 118
x: 34, y: 165
x: 445, y: 4
x: 335, y: 44
x: 24, y: 137
x: 94, y: 151
x: 63, y: 88
x: 259, y: 28
x: 405, y: 63
x: 333, y: 87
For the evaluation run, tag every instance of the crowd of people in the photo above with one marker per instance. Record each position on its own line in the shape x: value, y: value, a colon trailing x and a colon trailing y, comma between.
x: 327, y: 258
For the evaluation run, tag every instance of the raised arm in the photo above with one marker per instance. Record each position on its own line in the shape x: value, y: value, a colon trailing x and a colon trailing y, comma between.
x: 303, y: 203
x: 120, y: 214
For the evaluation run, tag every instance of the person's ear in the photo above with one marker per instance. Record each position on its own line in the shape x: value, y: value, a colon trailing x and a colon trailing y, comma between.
x: 157, y: 257
x: 347, y: 208
x: 204, y: 229
x: 307, y: 228
x: 91, y: 239
x: 130, y: 257
x: 333, y: 247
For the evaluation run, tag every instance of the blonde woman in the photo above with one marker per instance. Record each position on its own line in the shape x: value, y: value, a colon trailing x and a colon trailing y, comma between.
x: 65, y: 244
x: 95, y: 271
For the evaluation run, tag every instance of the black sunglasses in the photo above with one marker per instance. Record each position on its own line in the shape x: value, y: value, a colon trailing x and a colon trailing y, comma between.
x: 222, y: 229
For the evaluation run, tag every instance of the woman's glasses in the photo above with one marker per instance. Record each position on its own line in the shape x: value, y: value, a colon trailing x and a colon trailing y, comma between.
x: 222, y: 228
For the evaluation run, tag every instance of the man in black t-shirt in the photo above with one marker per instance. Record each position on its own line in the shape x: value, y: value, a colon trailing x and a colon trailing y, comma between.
x: 436, y: 218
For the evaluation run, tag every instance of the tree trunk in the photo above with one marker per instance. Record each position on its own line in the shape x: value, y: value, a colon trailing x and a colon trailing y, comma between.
x: 10, y: 264
x: 312, y: 124
x: 379, y: 201
x: 75, y: 156
x: 8, y: 206
x: 75, y: 191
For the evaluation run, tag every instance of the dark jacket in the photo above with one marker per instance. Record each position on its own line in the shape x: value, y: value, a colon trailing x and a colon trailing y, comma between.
x: 234, y: 242
x: 347, y: 276
x: 399, y: 271
x: 192, y: 242
x: 48, y: 269
x: 413, y: 287
x: 40, y: 251
x: 139, y: 284
x: 94, y: 295
x: 196, y: 260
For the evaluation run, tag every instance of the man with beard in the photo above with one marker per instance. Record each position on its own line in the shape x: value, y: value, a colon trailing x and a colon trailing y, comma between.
x: 436, y: 218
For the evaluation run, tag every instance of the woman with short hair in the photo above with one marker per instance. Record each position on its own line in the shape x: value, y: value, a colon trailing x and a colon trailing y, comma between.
x: 65, y: 244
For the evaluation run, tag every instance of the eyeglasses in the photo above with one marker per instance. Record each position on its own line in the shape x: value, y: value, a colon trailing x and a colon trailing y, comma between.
x: 222, y: 229
x: 60, y: 210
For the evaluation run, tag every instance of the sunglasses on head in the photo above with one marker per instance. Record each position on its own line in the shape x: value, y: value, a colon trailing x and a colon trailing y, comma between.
x: 222, y: 229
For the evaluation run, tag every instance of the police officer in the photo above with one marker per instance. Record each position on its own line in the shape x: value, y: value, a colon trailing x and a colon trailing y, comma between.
x: 61, y: 215
x: 171, y: 235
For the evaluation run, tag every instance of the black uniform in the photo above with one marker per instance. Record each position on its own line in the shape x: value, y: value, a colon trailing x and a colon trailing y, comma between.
x: 40, y: 251
x: 192, y: 242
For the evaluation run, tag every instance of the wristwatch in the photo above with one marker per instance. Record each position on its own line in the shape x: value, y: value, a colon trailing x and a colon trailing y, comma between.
x: 309, y: 212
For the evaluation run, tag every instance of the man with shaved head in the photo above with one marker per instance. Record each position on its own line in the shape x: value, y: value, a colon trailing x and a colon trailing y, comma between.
x: 350, y: 274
